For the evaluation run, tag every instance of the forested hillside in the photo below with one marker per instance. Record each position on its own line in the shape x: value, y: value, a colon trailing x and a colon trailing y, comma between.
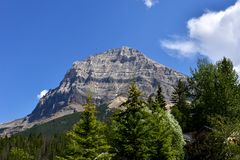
x: 206, y: 108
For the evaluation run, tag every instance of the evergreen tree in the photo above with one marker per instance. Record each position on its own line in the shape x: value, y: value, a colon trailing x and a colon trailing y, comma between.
x: 159, y: 99
x: 203, y: 93
x: 227, y: 91
x: 181, y: 109
x: 215, y: 92
x: 216, y: 103
x: 225, y: 121
x: 86, y: 141
x: 166, y: 140
x: 150, y: 101
x: 19, y: 154
x: 129, y: 128
x: 37, y: 147
x: 141, y: 133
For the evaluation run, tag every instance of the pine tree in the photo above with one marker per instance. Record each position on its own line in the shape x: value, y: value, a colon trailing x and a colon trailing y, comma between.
x: 141, y: 133
x: 227, y: 93
x: 215, y: 92
x: 86, y: 141
x: 159, y: 99
x: 166, y: 140
x: 129, y: 128
x: 181, y: 109
x: 203, y: 93
x: 225, y: 121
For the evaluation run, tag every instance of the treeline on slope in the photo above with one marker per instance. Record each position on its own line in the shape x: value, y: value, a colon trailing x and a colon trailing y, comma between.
x: 60, y: 126
x: 31, y: 147
x: 139, y: 130
x: 206, y: 107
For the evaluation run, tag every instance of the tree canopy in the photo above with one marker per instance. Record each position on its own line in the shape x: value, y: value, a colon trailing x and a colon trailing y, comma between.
x: 86, y: 141
x: 143, y: 132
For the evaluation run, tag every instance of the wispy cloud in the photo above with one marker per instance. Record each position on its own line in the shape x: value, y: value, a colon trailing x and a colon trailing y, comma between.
x: 183, y: 47
x: 42, y: 94
x: 150, y: 3
x: 214, y: 34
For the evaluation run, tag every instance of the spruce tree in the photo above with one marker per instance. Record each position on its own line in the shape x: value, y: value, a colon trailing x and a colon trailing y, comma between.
x: 202, y: 84
x: 181, y: 109
x: 227, y: 93
x: 166, y: 140
x: 142, y: 132
x: 129, y: 128
x: 225, y: 122
x: 86, y: 141
x: 215, y: 93
x: 159, y: 99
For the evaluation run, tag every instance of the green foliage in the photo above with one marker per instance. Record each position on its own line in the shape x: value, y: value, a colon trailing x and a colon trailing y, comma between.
x: 166, y: 137
x: 159, y: 99
x: 156, y: 101
x: 227, y: 90
x: 203, y: 92
x: 63, y: 124
x: 166, y: 133
x: 143, y: 132
x: 216, y: 103
x: 225, y: 140
x: 87, y: 140
x: 181, y: 108
x: 215, y: 91
x: 19, y: 154
x: 37, y: 146
x: 46, y: 145
x: 57, y: 126
x: 129, y: 128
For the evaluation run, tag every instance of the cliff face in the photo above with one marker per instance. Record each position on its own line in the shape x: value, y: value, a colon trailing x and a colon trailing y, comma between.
x: 107, y: 76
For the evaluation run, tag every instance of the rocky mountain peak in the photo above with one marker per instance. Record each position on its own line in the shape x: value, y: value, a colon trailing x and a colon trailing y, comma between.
x: 107, y: 76
x: 122, y: 55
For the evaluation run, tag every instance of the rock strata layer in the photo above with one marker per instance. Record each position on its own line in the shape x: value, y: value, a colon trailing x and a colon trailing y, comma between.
x: 107, y: 77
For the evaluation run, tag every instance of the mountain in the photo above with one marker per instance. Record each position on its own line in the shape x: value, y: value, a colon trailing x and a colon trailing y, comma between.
x: 107, y: 77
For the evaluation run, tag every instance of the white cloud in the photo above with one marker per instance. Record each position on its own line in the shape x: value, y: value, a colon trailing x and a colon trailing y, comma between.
x: 214, y: 34
x: 150, y: 3
x: 42, y: 94
x: 237, y: 68
x: 182, y: 47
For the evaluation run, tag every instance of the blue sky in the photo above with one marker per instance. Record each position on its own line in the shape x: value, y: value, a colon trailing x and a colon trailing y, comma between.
x: 39, y: 40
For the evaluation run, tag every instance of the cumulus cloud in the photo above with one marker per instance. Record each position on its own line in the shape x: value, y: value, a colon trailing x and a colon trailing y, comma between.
x: 150, y: 3
x: 42, y: 94
x: 214, y: 34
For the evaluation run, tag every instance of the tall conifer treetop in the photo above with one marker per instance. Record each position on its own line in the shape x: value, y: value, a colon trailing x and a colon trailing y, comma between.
x: 143, y: 132
x: 86, y: 141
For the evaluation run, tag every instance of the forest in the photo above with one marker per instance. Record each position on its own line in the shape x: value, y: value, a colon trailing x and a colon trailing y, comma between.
x: 202, y: 124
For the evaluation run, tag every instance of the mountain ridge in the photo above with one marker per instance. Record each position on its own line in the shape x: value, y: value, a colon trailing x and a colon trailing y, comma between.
x: 107, y: 76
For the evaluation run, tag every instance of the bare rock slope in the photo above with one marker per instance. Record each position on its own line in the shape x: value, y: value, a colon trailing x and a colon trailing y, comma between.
x: 107, y: 76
